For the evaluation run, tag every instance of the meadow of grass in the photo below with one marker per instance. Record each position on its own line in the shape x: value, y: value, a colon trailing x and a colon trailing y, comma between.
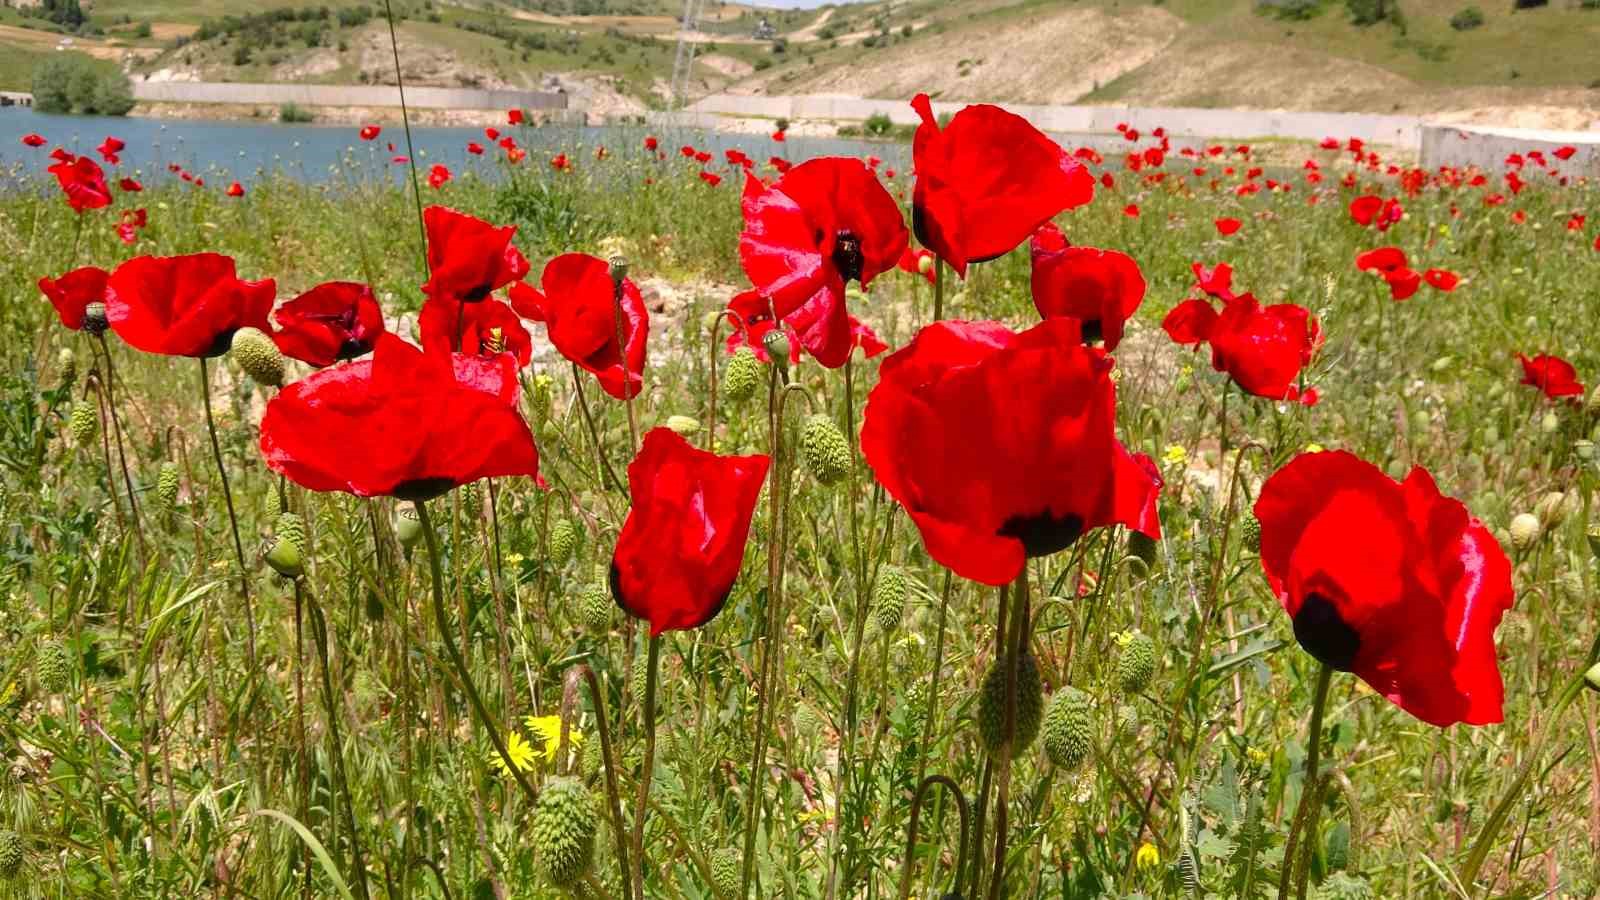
x: 144, y: 755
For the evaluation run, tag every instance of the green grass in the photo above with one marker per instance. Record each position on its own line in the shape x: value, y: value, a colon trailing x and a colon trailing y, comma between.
x: 16, y: 68
x: 204, y: 744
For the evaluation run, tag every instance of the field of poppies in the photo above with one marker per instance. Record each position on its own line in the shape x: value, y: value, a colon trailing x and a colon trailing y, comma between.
x: 1031, y: 521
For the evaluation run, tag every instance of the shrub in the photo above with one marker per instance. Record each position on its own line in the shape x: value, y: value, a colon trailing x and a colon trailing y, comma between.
x: 1467, y: 19
x: 74, y: 82
x: 878, y: 124
x: 1290, y: 10
x: 290, y: 112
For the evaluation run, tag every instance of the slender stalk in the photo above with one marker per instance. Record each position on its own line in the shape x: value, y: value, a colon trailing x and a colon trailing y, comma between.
x: 1002, y: 797
x: 319, y: 628
x: 938, y: 288
x: 618, y: 266
x: 432, y: 539
x: 411, y: 151
x: 233, y: 518
x: 930, y: 721
x: 608, y: 757
x: 1309, y: 794
x: 122, y: 456
x: 610, y: 477
x: 649, y: 764
x: 909, y: 865
x: 105, y: 455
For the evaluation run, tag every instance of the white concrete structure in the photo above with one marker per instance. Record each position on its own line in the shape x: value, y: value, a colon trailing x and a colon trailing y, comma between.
x: 340, y: 95
x: 1487, y: 148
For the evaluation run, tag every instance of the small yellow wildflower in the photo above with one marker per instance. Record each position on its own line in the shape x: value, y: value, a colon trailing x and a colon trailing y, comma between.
x: 548, y: 730
x: 1257, y: 755
x: 1148, y: 856
x: 515, y: 559
x: 520, y: 750
x: 1175, y: 455
x: 1314, y: 447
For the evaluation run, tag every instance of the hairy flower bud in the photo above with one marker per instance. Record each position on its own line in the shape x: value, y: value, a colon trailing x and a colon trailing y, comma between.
x: 257, y: 356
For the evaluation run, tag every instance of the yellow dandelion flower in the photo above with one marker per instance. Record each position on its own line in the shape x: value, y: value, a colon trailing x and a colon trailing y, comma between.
x: 548, y: 730
x: 1148, y: 856
x: 520, y: 750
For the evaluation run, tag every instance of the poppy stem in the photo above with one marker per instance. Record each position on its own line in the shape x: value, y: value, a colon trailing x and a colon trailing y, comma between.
x: 431, y: 537
x: 1310, y: 796
x: 411, y: 152
x: 650, y: 683
x: 938, y: 288
x: 930, y: 720
x: 122, y: 456
x: 618, y: 270
x: 319, y: 631
x: 852, y: 713
x: 608, y: 477
x: 105, y: 452
x: 909, y: 864
x: 233, y: 518
x: 1002, y: 798
x: 608, y: 759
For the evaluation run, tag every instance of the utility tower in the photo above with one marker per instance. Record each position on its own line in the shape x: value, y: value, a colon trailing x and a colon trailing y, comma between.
x: 683, y: 62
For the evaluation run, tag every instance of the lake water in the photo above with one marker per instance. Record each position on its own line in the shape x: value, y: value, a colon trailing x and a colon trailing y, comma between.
x: 243, y: 150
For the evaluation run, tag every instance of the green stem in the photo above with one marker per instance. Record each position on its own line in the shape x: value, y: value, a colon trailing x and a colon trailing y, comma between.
x: 649, y: 764
x: 432, y: 540
x: 122, y: 456
x: 411, y: 151
x: 233, y: 518
x: 938, y: 288
x: 1310, y: 796
x: 1002, y: 799
x: 594, y: 433
x: 319, y: 628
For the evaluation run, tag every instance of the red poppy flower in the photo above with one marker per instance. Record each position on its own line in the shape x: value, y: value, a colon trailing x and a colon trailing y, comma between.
x: 917, y: 261
x: 370, y: 132
x: 1564, y: 153
x: 710, y: 178
x: 560, y: 163
x: 1261, y: 348
x: 405, y: 424
x: 1551, y: 374
x: 1227, y: 227
x: 779, y: 136
x: 72, y: 293
x: 1441, y: 279
x: 400, y: 160
x: 1216, y: 281
x: 514, y: 116
x: 108, y: 150
x: 1597, y: 243
x: 991, y: 472
x: 1391, y: 581
x: 577, y: 304
x: 83, y: 181
x: 486, y: 329
x: 130, y: 186
x: 987, y: 181
x: 236, y: 190
x: 751, y: 317
x: 1131, y: 210
x: 650, y: 143
x: 1368, y: 210
x: 1382, y: 260
x: 33, y: 140
x: 132, y: 221
x: 1575, y: 221
x: 467, y: 257
x: 824, y: 223
x: 184, y: 305
x: 1099, y: 288
x: 681, y: 547
x: 438, y: 176
x: 332, y: 321
x: 475, y: 148
x: 492, y: 133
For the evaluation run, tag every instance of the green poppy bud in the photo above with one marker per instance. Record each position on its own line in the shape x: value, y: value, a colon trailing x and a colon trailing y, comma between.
x: 1594, y: 540
x: 1250, y: 534
x: 1592, y: 677
x: 1136, y: 664
x: 1593, y: 406
x: 777, y: 344
x: 12, y: 854
x: 83, y: 422
x: 564, y: 540
x: 1553, y: 509
x: 825, y: 449
x: 563, y: 831
x: 1068, y: 728
x: 52, y: 667
x: 167, y: 483
x: 257, y: 356
x: 726, y: 871
x: 285, y: 558
x: 992, y: 705
x: 596, y: 607
x: 67, y: 365
x: 742, y: 376
x: 618, y: 266
x: 925, y: 264
x: 889, y: 597
x: 1525, y: 531
x: 407, y: 528
x: 1550, y: 424
x: 688, y: 426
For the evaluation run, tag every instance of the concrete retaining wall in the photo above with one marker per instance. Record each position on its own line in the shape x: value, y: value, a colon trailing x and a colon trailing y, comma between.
x: 1400, y: 131
x: 1487, y: 148
x: 338, y: 95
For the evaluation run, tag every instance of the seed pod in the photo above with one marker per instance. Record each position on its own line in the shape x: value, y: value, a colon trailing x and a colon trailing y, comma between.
x: 1136, y: 664
x: 1525, y: 531
x: 95, y: 322
x: 1592, y: 677
x: 287, y: 554
x: 564, y: 538
x: 688, y: 426
x: 825, y: 449
x: 563, y: 831
x: 992, y: 705
x: 777, y: 344
x: 595, y: 606
x: 1250, y: 534
x: 167, y: 483
x: 1553, y: 509
x: 592, y: 762
x: 1144, y: 549
x: 257, y: 356
x: 407, y: 528
x: 1593, y: 406
x: 12, y: 854
x: 1068, y: 728
x: 67, y: 365
x: 889, y: 598
x: 52, y: 667
x: 83, y: 422
x: 726, y: 871
x: 742, y: 375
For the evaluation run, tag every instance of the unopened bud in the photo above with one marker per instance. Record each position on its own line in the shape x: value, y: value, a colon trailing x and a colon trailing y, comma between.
x: 1525, y: 531
x: 258, y: 356
x: 684, y: 425
x: 777, y: 344
x: 1592, y: 677
x: 67, y: 364
x: 925, y: 264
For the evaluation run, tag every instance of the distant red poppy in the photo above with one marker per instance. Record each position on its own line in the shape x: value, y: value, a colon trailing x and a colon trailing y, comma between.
x: 1553, y: 375
x: 72, y: 293
x: 1101, y: 289
x: 83, y: 182
x: 129, y: 185
x: 370, y: 132
x: 561, y: 163
x: 438, y: 176
x: 491, y: 133
x: 823, y: 224
x: 487, y: 328
x: 682, y: 545
x: 1441, y: 279
x: 650, y: 143
x: 33, y: 140
x: 917, y: 261
x: 779, y: 136
x: 332, y: 321
x: 108, y: 150
x: 1575, y: 221
x: 710, y: 178
x: 1391, y: 581
x: 751, y: 317
x: 1564, y: 153
x: 987, y: 181
x: 475, y: 148
x: 405, y: 424
x: 514, y: 117
x: 1227, y: 227
x: 1216, y: 281
x: 1368, y: 210
x: 132, y: 221
x: 184, y: 305
x: 467, y: 257
x: 400, y: 160
x: 992, y: 473
x: 1263, y: 349
x: 236, y: 190
x: 1597, y: 243
x: 1382, y: 259
x: 576, y: 302
x: 1131, y: 210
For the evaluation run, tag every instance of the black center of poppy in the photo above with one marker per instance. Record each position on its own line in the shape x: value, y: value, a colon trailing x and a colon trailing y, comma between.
x: 1043, y: 534
x: 847, y: 256
x: 477, y: 294
x: 220, y: 344
x: 1092, y: 331
x: 1323, y: 632
x: 419, y: 490
x: 352, y: 348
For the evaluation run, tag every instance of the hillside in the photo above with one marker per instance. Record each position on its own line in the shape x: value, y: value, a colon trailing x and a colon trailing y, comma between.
x: 1532, y: 66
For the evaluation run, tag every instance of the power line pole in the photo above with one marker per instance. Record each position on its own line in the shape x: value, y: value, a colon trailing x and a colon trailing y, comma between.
x: 683, y: 61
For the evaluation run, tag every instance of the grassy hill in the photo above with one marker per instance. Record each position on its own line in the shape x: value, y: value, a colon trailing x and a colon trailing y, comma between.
x: 1375, y: 55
